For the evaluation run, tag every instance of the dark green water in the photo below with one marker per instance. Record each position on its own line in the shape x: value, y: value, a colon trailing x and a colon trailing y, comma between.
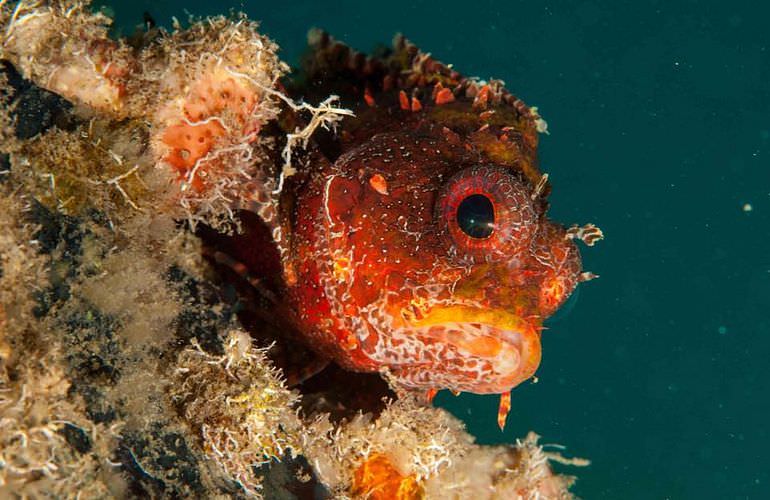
x: 660, y: 134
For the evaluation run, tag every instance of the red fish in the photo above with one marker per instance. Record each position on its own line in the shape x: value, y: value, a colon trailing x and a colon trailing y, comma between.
x: 415, y: 240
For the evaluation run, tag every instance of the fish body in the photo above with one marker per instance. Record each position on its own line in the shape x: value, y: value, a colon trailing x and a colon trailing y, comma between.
x: 414, y: 238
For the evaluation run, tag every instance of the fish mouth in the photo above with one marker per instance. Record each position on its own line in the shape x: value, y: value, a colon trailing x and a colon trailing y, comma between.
x: 476, y: 350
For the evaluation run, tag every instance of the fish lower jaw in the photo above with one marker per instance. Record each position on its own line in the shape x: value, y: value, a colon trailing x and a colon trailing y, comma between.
x: 473, y: 357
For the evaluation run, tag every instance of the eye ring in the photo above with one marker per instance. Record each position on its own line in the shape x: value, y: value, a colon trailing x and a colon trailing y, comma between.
x: 513, y: 218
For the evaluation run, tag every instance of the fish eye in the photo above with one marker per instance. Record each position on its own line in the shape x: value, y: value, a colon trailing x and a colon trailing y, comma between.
x: 485, y: 213
x: 476, y: 216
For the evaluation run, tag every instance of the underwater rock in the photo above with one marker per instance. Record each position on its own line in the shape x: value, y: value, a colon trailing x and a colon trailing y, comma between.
x: 125, y: 366
x: 34, y: 110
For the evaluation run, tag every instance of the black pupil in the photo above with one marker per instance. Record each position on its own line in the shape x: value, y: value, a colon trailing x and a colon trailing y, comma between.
x: 476, y: 216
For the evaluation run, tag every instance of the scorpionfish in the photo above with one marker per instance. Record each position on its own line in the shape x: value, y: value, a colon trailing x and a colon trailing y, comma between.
x: 414, y: 237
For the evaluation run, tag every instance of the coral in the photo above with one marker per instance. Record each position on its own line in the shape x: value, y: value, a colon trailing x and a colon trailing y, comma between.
x: 417, y: 440
x: 66, y: 46
x: 239, y: 406
x: 215, y: 96
x: 38, y: 419
x: 521, y: 471
x: 95, y: 159
x: 198, y: 97
x: 414, y: 451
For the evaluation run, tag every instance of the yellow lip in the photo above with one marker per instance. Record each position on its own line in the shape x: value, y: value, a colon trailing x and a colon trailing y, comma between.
x: 498, y: 318
x: 511, y: 343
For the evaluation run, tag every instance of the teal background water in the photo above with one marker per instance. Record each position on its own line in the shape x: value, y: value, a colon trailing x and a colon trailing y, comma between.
x: 660, y: 134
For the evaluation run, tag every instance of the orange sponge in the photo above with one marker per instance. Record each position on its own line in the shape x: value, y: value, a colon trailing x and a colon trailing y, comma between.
x: 378, y: 479
x: 217, y: 112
